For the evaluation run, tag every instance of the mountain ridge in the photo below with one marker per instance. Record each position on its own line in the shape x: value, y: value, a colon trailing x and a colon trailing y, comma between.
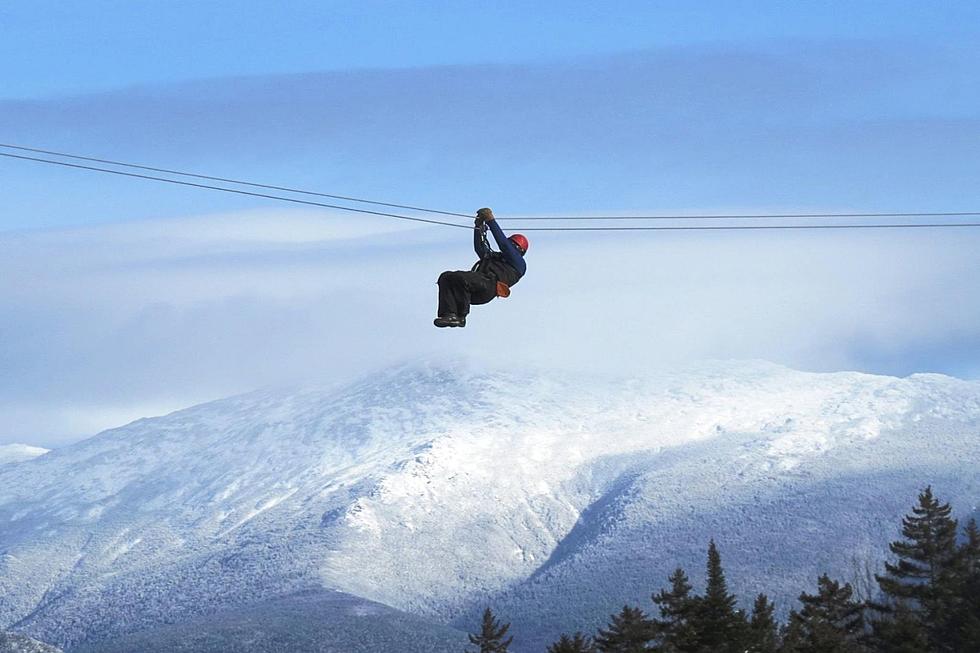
x: 434, y: 489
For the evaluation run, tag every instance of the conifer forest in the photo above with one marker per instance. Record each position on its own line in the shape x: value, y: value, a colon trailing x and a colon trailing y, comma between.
x: 925, y: 600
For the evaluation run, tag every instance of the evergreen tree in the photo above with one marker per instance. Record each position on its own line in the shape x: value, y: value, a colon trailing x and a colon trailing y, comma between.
x: 677, y: 609
x: 970, y: 552
x: 629, y: 632
x: 762, y: 634
x: 577, y: 643
x: 900, y: 632
x: 791, y: 636
x: 492, y: 633
x: 830, y: 621
x: 924, y: 579
x: 718, y: 625
x: 966, y: 614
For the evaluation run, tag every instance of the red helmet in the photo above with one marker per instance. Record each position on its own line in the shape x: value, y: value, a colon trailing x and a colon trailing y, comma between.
x: 520, y: 241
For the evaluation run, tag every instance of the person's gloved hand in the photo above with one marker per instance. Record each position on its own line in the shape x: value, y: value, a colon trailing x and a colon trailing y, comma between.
x: 485, y: 215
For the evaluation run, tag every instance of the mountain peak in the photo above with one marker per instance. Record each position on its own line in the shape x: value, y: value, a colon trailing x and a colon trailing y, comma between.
x: 12, y: 453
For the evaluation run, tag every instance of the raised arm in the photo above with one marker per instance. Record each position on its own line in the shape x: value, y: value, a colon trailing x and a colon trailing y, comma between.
x: 508, y: 248
x: 479, y: 246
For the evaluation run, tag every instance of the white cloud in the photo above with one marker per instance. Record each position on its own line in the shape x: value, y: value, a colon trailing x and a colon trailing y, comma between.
x: 104, y: 324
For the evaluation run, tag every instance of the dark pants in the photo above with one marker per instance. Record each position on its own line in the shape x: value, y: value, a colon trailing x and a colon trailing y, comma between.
x: 457, y: 290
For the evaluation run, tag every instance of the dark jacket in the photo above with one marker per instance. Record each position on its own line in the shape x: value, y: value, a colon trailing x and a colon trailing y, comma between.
x: 507, y: 265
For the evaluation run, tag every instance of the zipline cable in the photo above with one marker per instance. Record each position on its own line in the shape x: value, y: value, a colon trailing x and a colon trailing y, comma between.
x: 233, y: 181
x: 734, y: 216
x: 232, y: 190
x: 759, y: 227
x: 675, y: 217
x: 735, y: 227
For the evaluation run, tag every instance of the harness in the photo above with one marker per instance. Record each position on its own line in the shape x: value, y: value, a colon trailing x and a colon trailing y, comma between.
x: 503, y: 290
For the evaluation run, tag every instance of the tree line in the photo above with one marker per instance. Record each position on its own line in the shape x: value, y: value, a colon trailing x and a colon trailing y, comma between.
x: 927, y: 601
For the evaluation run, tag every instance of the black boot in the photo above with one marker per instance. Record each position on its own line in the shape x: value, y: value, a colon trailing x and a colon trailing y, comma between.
x: 450, y: 320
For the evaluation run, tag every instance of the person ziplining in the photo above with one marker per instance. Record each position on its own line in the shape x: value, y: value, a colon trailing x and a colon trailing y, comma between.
x: 491, y: 277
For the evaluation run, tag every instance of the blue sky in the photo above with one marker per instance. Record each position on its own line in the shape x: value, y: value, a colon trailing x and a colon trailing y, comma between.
x: 51, y: 48
x: 532, y: 108
x: 537, y: 108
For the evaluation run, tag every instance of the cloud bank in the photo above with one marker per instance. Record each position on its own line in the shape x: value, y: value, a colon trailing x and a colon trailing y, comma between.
x: 108, y: 323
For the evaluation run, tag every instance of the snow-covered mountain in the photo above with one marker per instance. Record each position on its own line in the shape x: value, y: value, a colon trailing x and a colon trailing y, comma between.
x: 434, y: 489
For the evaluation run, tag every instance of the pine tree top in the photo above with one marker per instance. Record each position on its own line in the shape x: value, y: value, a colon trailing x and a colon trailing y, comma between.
x: 762, y: 611
x: 577, y: 643
x: 763, y: 629
x: 630, y: 630
x: 491, y: 636
x: 678, y: 601
x: 926, y: 556
x: 833, y: 604
x: 972, y: 533
x: 716, y: 593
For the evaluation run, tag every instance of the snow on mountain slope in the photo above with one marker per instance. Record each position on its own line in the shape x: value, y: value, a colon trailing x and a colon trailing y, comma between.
x: 777, y: 530
x: 434, y: 488
x: 15, y: 643
x: 15, y: 453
